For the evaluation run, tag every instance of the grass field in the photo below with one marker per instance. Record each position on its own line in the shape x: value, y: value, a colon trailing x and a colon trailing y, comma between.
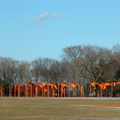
x: 59, y: 109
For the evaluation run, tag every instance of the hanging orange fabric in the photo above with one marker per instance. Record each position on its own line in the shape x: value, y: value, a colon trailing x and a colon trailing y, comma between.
x: 62, y: 88
x: 16, y: 84
x: 42, y: 84
x: 36, y: 90
x: 114, y: 83
x: 74, y: 85
x: 105, y: 84
x: 21, y: 86
x: 1, y: 91
x: 45, y: 88
x: 95, y: 83
x: 53, y: 86
x: 30, y: 82
x: 1, y: 88
x: 63, y: 85
x: 118, y: 82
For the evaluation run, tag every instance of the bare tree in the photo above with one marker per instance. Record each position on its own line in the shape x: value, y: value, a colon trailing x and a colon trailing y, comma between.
x: 46, y: 69
x: 8, y: 70
x: 88, y: 62
x: 24, y: 72
x: 71, y: 53
x: 97, y: 62
x: 116, y: 57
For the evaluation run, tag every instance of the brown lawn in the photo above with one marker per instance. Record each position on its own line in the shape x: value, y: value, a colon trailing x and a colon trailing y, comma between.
x: 58, y: 109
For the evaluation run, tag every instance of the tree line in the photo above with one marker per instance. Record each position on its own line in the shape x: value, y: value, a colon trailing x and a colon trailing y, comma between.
x: 81, y: 64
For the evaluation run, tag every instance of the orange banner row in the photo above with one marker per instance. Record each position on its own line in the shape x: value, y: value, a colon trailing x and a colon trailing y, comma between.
x: 44, y: 89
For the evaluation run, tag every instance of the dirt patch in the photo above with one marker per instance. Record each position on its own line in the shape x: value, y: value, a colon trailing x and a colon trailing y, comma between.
x: 107, y: 105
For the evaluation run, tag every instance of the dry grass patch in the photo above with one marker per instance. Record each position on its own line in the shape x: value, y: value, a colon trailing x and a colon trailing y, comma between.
x: 57, y: 109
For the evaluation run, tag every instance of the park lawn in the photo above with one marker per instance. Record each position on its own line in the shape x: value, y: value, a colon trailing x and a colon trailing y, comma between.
x: 31, y: 108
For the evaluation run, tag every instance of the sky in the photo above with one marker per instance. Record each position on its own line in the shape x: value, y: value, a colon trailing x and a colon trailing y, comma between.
x: 30, y: 29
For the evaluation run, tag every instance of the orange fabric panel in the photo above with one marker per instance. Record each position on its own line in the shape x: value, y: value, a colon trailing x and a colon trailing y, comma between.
x: 108, y: 84
x: 29, y: 82
x: 42, y: 84
x: 16, y: 84
x: 36, y: 90
x: 114, y: 83
x: 104, y: 85
x: 63, y: 85
x: 94, y: 83
x: 50, y: 84
x: 53, y: 86
x: 74, y: 85
x: 118, y: 82
x: 45, y: 88
x: 21, y: 86
x: 1, y: 88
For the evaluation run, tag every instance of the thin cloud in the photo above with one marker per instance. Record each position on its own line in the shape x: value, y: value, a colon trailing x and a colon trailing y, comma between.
x: 56, y: 15
x: 46, y: 16
x: 43, y: 16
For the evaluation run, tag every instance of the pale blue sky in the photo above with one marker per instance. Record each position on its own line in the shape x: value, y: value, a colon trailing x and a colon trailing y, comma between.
x: 42, y: 28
